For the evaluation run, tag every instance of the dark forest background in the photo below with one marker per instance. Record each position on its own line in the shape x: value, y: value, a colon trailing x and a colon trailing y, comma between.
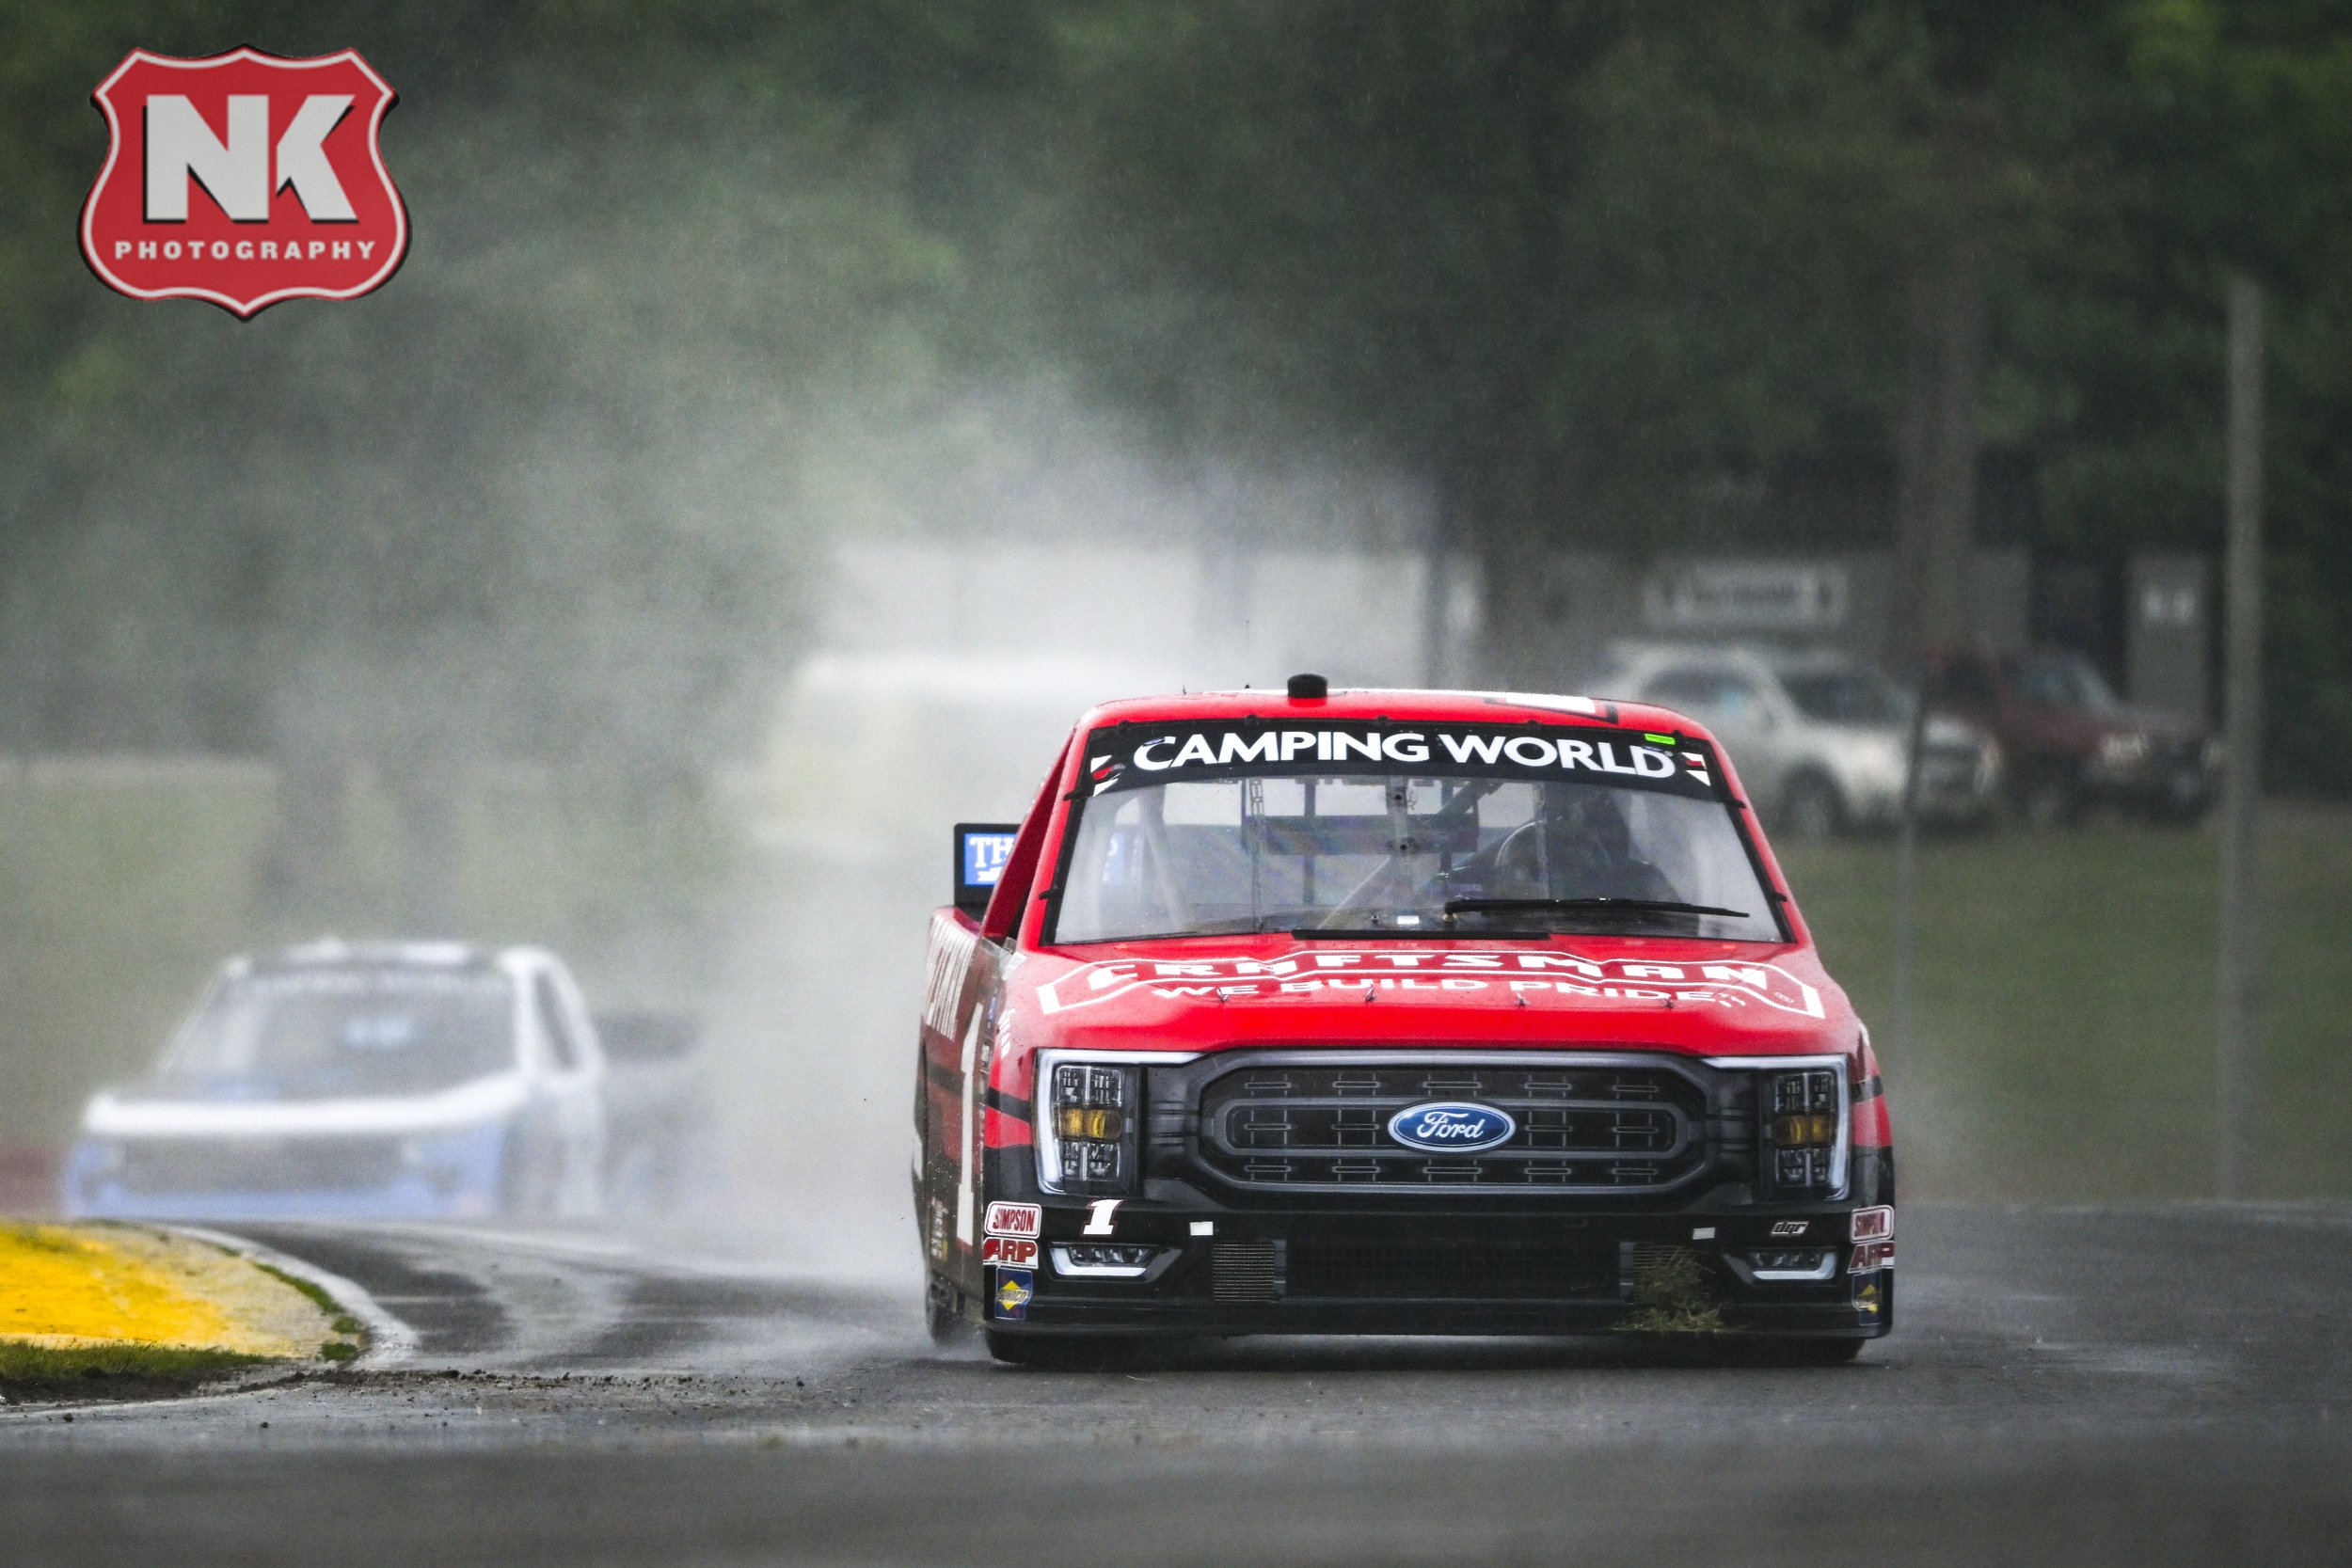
x: 1597, y: 272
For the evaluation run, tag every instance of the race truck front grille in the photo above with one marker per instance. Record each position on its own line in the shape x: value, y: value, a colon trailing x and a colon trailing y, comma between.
x: 1301, y: 1121
x: 163, y: 1167
x: 1328, y: 1270
x: 1430, y: 1271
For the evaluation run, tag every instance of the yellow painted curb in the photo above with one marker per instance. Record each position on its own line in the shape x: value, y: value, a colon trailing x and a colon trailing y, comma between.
x: 73, y: 1287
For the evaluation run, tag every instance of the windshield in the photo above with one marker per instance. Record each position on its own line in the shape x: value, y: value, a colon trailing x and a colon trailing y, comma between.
x: 2063, y: 680
x: 322, y: 1033
x: 1847, y: 695
x: 1245, y: 849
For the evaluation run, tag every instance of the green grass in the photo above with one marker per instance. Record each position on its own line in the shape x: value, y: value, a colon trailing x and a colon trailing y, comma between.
x: 314, y: 1292
x: 121, y: 890
x: 2065, y: 989
x: 352, y: 1334
x: 111, y: 1371
x: 2065, y: 1004
x: 123, y: 884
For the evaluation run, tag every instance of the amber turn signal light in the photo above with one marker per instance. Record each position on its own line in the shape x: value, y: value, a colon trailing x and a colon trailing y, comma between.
x: 1095, y: 1124
x: 1810, y: 1132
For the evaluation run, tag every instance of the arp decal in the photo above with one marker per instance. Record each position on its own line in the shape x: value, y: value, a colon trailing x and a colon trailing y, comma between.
x: 1009, y: 1295
x: 1871, y: 1257
x: 243, y: 178
x: 1560, y: 980
x: 1874, y: 1225
x: 1015, y: 1219
x: 1009, y: 1251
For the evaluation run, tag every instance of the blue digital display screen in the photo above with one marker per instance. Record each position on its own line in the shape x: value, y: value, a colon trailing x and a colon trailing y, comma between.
x: 984, y: 857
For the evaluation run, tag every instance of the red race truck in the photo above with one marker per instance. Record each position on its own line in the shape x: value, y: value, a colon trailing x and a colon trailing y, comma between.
x: 1391, y: 1012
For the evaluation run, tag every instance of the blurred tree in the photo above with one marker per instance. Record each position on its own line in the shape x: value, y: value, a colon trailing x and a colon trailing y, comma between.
x: 534, y: 499
x: 1591, y: 266
x: 1595, y: 268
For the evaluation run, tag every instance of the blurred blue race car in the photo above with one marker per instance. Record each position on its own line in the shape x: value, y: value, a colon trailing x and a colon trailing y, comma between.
x: 391, y: 1080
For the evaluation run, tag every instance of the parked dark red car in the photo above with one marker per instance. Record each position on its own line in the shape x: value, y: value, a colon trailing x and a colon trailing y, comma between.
x: 2069, y: 743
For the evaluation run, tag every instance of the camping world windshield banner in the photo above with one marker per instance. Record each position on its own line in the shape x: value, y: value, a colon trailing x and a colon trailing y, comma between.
x: 1129, y: 755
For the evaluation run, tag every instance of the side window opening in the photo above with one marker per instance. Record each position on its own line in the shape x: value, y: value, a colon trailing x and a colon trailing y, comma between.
x: 561, y: 1047
x: 1963, y: 682
x: 1714, y: 694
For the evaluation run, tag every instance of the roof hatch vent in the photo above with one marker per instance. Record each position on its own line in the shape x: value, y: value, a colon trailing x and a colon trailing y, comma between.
x: 1309, y: 689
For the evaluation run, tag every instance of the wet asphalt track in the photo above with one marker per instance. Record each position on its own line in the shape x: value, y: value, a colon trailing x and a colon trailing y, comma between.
x: 2141, y: 1386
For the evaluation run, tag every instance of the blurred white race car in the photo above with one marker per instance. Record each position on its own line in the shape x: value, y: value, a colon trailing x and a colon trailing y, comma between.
x: 407, y: 1080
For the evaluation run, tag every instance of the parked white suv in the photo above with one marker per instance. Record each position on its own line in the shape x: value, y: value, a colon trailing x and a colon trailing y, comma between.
x: 1819, y: 736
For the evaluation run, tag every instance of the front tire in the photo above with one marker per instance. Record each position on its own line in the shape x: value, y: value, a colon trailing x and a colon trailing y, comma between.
x: 1813, y: 1353
x: 943, y: 1314
x: 2050, y: 801
x: 1812, y: 810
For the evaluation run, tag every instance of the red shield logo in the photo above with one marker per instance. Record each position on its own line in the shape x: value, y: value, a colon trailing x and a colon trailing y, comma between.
x: 243, y: 178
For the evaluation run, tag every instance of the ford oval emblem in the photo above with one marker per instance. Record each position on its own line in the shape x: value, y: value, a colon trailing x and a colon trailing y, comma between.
x: 1451, y: 1127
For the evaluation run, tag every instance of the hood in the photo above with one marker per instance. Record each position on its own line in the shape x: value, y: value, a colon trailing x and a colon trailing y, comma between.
x: 164, y: 1107
x: 2150, y: 721
x: 1691, y: 997
x: 1944, y: 729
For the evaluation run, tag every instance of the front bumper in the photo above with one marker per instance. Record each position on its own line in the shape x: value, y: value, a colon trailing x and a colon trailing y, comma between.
x: 1327, y: 1268
x: 1953, y: 792
x: 2176, y: 781
x: 443, y: 1174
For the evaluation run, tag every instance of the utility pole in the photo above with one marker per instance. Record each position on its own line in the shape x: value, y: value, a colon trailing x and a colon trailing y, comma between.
x: 2239, y: 1039
x: 1907, y: 874
x: 1435, y: 584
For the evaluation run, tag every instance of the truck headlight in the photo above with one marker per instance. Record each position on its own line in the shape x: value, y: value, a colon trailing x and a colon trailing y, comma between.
x: 1087, y: 1135
x: 1803, y: 1132
x: 2123, y: 749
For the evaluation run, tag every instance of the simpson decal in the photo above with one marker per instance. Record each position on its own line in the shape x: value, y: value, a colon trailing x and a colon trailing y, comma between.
x: 1140, y: 754
x: 1560, y: 980
x: 1873, y: 1224
x: 243, y: 178
x: 1015, y: 1219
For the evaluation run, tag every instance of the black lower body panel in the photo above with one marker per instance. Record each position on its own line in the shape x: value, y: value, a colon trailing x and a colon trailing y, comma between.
x: 1468, y: 1270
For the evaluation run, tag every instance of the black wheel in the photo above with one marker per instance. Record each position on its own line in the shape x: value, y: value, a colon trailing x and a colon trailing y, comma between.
x: 1062, y: 1353
x: 943, y: 1314
x: 1814, y: 1352
x: 2049, y: 801
x: 1811, y: 809
x: 2184, y: 804
x: 529, y: 1184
